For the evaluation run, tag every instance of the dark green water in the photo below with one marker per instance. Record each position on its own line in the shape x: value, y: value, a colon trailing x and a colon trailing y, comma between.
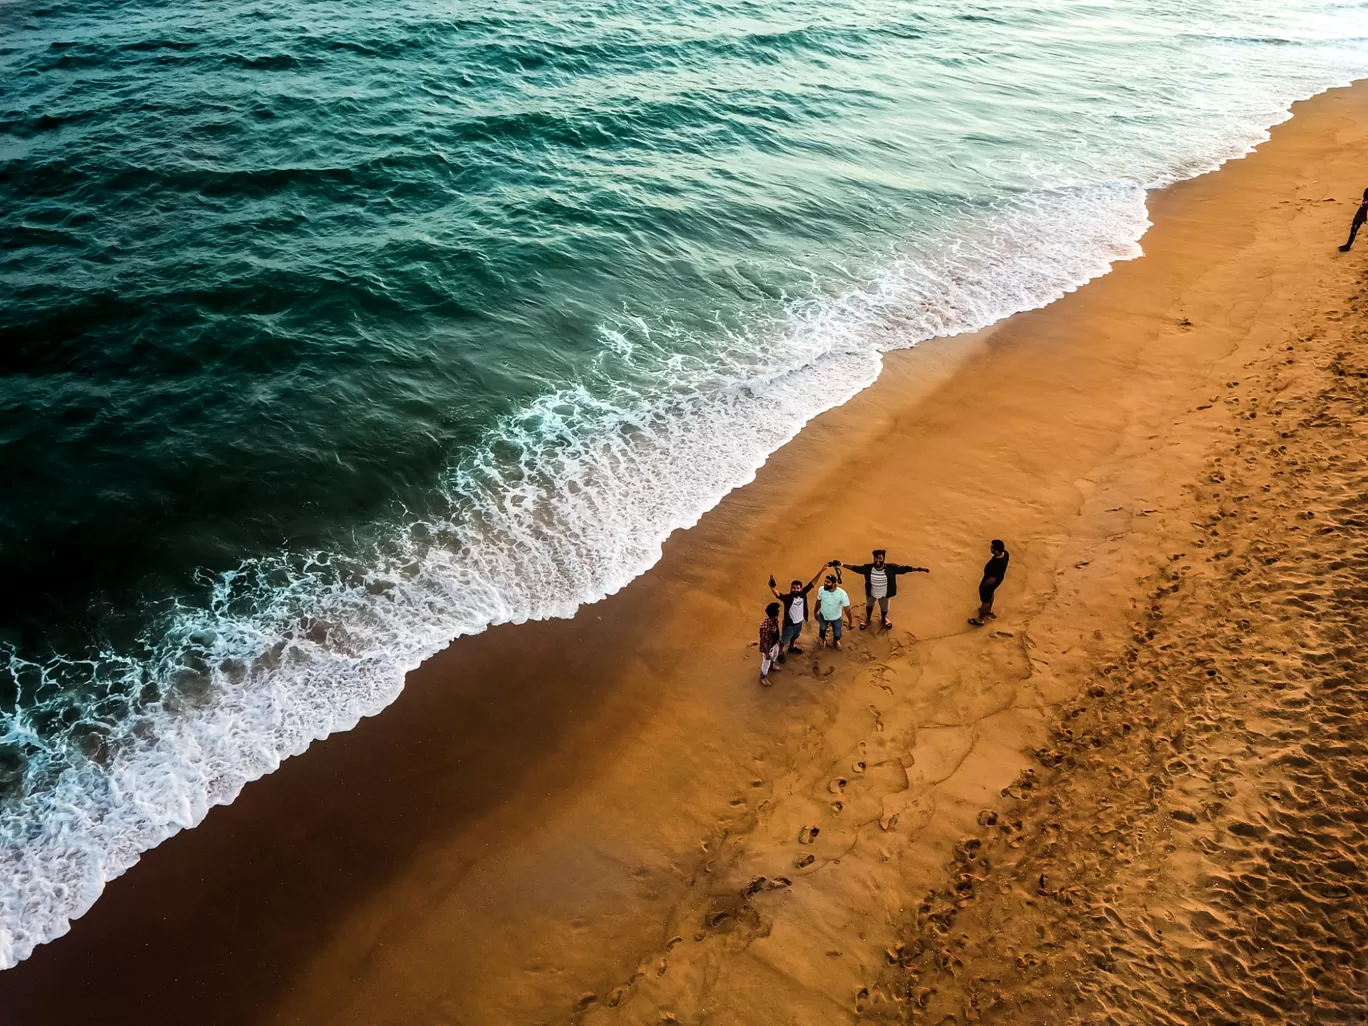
x: 330, y: 332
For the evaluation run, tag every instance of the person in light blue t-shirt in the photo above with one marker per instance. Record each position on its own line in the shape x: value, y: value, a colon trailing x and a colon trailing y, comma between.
x: 832, y: 604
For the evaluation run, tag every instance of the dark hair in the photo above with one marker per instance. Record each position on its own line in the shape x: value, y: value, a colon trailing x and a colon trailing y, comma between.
x: 880, y: 552
x: 997, y: 545
x: 772, y: 609
x: 1365, y: 194
x: 799, y: 583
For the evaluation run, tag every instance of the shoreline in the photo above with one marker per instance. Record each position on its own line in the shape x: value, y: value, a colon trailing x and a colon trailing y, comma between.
x: 529, y: 849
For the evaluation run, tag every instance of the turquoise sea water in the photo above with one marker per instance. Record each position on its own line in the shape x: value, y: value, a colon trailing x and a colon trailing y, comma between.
x: 330, y: 332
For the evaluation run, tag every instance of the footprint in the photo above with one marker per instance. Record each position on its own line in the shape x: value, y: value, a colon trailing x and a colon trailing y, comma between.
x: 803, y: 861
x: 838, y: 785
x: 860, y: 766
x: 837, y: 806
x: 888, y: 822
x: 673, y: 941
x: 808, y: 834
x: 878, y: 718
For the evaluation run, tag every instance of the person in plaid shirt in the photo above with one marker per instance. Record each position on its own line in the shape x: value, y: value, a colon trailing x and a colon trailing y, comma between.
x: 769, y: 641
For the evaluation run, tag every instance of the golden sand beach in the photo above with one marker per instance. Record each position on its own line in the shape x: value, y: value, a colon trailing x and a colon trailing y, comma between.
x: 1135, y: 797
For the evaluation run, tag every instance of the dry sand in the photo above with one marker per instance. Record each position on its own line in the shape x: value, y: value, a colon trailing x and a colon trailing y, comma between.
x: 1132, y: 798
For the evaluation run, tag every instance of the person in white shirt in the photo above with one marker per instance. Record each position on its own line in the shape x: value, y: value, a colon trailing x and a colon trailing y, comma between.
x: 795, y: 604
x: 832, y: 604
x: 881, y: 584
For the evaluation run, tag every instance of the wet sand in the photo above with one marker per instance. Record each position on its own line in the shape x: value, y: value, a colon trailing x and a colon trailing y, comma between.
x: 606, y: 820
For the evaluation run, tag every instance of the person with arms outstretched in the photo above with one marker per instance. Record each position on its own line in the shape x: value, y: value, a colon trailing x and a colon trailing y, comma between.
x: 993, y: 573
x: 1360, y: 216
x: 881, y: 584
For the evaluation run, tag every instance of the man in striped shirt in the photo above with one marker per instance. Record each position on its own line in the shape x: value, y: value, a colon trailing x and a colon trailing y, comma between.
x: 881, y: 584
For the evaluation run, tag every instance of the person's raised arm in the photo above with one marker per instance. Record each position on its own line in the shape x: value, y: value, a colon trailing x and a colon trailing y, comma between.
x: 898, y: 568
x: 773, y: 590
x: 818, y: 574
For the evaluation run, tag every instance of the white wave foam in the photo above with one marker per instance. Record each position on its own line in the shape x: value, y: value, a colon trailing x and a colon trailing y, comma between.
x: 568, y: 502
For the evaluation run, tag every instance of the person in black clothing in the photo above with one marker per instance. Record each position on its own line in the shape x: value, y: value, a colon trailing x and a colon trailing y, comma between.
x: 993, y: 573
x: 1360, y: 216
x: 795, y: 611
x: 881, y: 584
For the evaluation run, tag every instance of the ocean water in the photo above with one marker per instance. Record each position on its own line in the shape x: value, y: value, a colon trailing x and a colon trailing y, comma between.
x: 330, y: 332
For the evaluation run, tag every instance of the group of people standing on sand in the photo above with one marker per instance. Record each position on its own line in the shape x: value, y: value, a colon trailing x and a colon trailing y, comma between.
x: 785, y: 619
